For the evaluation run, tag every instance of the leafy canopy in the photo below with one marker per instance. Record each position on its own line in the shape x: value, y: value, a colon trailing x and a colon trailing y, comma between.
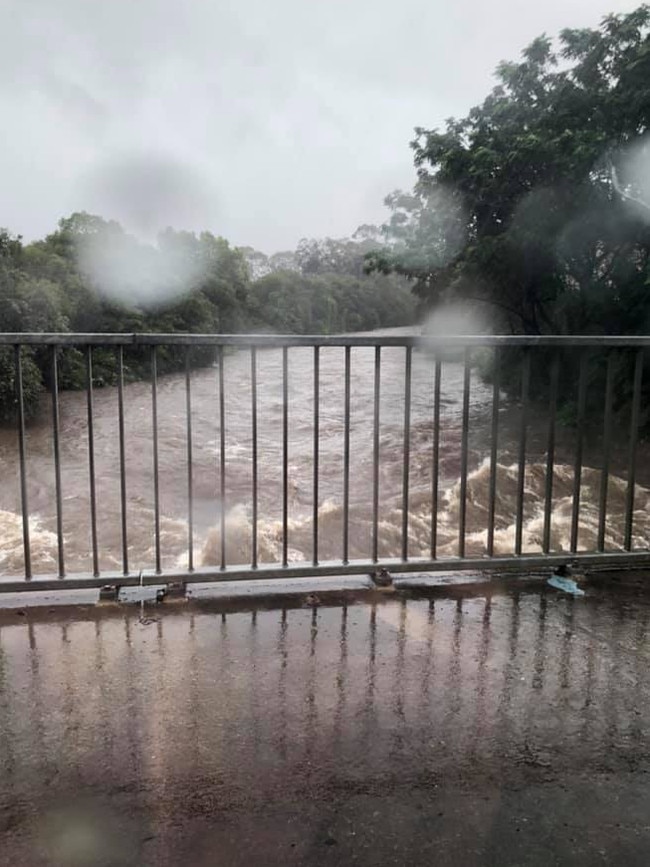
x: 535, y: 203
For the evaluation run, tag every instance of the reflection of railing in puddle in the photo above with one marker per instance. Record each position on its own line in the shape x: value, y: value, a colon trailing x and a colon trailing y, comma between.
x: 398, y: 690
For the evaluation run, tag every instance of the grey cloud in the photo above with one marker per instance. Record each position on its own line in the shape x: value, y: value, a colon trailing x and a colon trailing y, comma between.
x: 76, y: 103
x: 283, y: 119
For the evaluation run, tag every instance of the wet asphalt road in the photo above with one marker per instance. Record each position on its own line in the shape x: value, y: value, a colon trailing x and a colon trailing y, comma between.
x: 509, y: 728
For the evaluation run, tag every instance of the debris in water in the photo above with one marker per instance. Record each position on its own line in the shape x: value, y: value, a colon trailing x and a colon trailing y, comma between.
x: 567, y: 585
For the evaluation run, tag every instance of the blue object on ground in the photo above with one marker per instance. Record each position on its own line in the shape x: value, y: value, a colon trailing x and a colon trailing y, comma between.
x: 565, y: 584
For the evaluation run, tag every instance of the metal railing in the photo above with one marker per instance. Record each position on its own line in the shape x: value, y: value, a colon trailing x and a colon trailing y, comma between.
x: 465, y: 347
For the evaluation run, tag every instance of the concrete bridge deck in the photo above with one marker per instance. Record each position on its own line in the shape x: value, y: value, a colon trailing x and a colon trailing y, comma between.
x: 469, y: 727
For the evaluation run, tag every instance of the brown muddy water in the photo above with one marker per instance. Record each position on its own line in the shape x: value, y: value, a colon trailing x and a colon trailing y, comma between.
x: 206, y: 438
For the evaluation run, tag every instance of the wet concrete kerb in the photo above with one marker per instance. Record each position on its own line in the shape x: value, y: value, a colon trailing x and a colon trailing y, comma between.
x: 269, y: 594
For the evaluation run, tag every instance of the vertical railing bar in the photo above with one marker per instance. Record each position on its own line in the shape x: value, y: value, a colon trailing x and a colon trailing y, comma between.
x: 285, y: 456
x: 91, y: 460
x: 550, y: 454
x: 523, y: 430
x: 316, y: 454
x: 577, y: 467
x: 406, y: 451
x: 120, y: 414
x: 346, y: 458
x: 190, y: 468
x: 57, y: 462
x: 375, y: 456
x: 494, y: 446
x: 222, y: 456
x: 254, y: 455
x: 156, y: 479
x: 435, y: 458
x: 464, y: 455
x: 634, y: 435
x: 607, y: 444
x: 24, y: 502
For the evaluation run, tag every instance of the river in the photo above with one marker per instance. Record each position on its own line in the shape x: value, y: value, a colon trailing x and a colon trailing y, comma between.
x: 238, y: 478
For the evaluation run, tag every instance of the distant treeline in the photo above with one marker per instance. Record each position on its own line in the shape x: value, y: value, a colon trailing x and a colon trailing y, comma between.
x: 91, y: 276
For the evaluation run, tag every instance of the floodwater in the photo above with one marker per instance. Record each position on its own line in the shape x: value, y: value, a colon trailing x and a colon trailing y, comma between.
x: 204, y: 737
x: 206, y: 434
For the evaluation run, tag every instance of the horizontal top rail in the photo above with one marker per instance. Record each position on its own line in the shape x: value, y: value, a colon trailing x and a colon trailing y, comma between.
x: 281, y: 340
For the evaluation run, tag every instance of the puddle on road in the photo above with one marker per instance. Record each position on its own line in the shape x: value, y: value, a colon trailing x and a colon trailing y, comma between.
x: 246, y: 705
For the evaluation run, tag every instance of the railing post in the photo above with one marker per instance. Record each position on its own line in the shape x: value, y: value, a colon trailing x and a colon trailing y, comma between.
x: 222, y: 457
x: 346, y: 458
x: 24, y: 502
x: 57, y: 462
x: 406, y: 464
x: 156, y: 480
x: 190, y: 478
x: 494, y: 446
x: 285, y: 456
x: 375, y: 457
x: 120, y: 413
x: 91, y: 461
x: 462, y: 515
x: 435, y: 458
x: 316, y: 450
x: 254, y: 456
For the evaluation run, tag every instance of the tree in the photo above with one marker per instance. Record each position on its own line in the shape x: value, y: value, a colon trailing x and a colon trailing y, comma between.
x: 285, y: 260
x: 257, y: 262
x: 334, y: 255
x: 24, y: 306
x: 516, y: 205
x: 332, y: 303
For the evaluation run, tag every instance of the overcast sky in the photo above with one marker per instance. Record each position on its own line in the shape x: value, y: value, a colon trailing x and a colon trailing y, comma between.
x: 261, y: 120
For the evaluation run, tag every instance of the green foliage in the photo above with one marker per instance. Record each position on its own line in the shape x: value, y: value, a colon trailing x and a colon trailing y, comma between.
x: 91, y: 276
x: 333, y: 256
x: 537, y: 204
x: 515, y: 205
x: 331, y: 303
x: 32, y: 384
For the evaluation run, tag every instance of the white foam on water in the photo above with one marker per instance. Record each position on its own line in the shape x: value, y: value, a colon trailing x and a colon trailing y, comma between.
x: 238, y: 525
x: 43, y: 544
